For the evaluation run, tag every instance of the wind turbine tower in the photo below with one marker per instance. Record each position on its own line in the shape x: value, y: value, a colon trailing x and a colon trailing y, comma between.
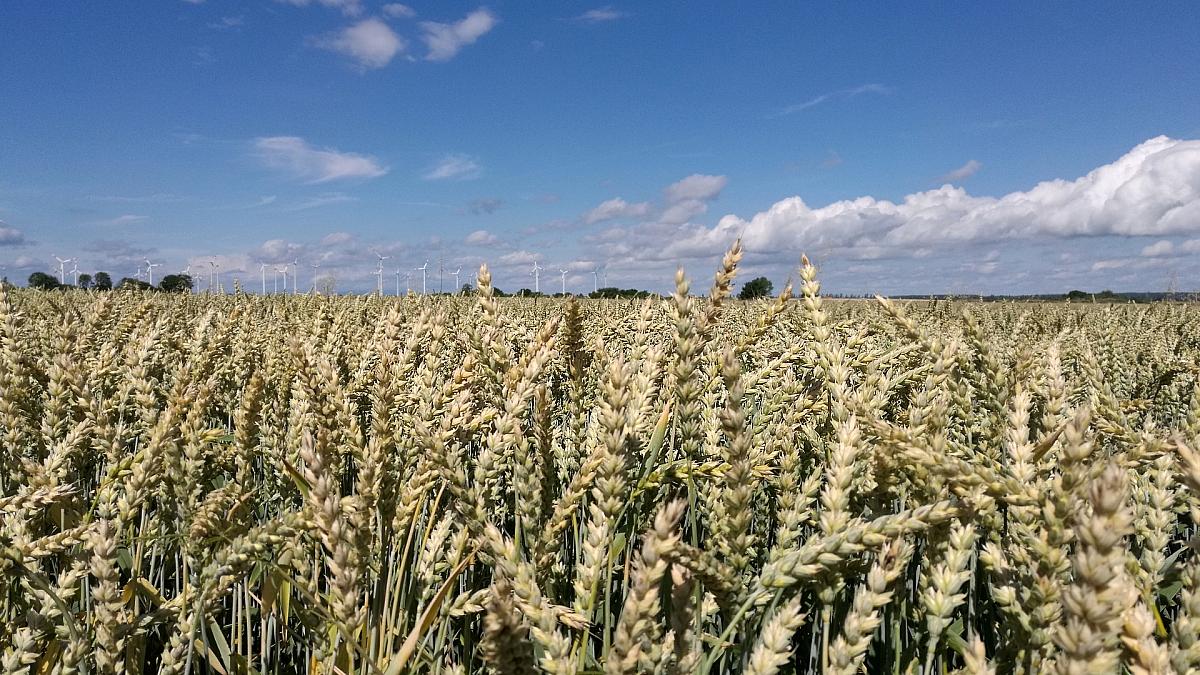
x: 150, y: 269
x: 314, y: 267
x: 423, y: 268
x: 75, y: 271
x: 596, y: 280
x: 454, y: 274
x: 379, y: 272
x: 262, y: 267
x: 62, y: 269
x: 212, y: 275
x: 537, y: 277
x: 564, y: 281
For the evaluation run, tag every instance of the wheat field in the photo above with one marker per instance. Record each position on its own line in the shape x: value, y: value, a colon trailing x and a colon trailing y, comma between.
x: 693, y: 484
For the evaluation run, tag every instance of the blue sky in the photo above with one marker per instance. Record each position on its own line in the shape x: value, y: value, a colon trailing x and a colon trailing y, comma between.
x: 640, y: 137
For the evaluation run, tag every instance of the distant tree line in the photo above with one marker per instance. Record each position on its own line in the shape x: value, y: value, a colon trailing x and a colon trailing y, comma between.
x: 101, y: 281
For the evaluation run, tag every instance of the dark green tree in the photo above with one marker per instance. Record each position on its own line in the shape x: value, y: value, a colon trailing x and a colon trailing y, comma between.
x: 102, y: 282
x: 85, y: 281
x: 43, y: 281
x: 759, y: 287
x: 131, y: 284
x: 176, y: 283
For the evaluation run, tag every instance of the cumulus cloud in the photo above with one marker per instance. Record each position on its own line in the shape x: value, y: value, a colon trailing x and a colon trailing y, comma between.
x: 481, y: 238
x: 293, y: 155
x: 601, y: 15
x: 347, y: 7
x: 617, y: 208
x: 370, y: 42
x: 963, y: 172
x: 445, y: 40
x: 838, y: 95
x: 696, y: 186
x: 396, y: 10
x: 454, y: 167
x: 1159, y: 248
x: 1153, y: 190
x: 1166, y: 248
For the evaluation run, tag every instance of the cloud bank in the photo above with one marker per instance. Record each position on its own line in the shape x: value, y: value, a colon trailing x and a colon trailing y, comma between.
x: 1153, y: 190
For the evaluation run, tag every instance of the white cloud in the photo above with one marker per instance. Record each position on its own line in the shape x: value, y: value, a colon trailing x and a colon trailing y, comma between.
x: 481, y: 238
x: 293, y: 155
x: 370, y: 42
x: 617, y: 208
x: 323, y: 199
x: 696, y: 186
x: 337, y: 238
x: 1159, y: 248
x: 833, y: 96
x: 1153, y: 190
x: 963, y: 172
x: 519, y: 258
x: 445, y: 40
x: 126, y: 219
x: 396, y: 10
x: 1165, y: 248
x: 10, y: 236
x: 347, y: 7
x: 601, y: 15
x: 454, y: 167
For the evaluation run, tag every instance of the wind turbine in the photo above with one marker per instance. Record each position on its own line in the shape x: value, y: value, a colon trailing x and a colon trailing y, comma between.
x: 62, y: 269
x: 537, y: 277
x: 283, y: 271
x: 262, y: 268
x: 454, y: 274
x: 604, y: 275
x: 407, y: 282
x: 295, y: 276
x: 379, y: 273
x: 596, y: 280
x: 314, y: 267
x: 564, y: 281
x: 150, y: 269
x: 423, y: 268
x: 75, y: 271
x: 139, y: 273
x: 212, y: 275
x: 398, y: 282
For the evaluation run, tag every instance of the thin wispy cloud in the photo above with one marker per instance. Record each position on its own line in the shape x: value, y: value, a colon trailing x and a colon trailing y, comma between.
x: 601, y: 15
x: 484, y: 205
x: 227, y: 23
x: 454, y: 167
x: 293, y: 155
x: 156, y: 198
x: 347, y: 7
x: 445, y: 40
x: 321, y: 200
x: 124, y: 219
x: 963, y: 172
x: 839, y: 95
x: 371, y: 43
x: 396, y: 10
